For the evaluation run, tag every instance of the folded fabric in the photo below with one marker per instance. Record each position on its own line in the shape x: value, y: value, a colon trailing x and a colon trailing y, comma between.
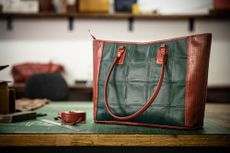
x: 30, y: 104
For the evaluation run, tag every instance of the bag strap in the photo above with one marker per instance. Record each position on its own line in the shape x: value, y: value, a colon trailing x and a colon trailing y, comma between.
x: 161, y: 59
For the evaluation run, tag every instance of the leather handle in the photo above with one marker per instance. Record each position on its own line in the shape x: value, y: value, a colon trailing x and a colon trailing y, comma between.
x: 161, y: 56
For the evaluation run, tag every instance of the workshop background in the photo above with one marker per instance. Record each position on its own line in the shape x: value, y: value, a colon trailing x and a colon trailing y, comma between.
x: 45, y: 39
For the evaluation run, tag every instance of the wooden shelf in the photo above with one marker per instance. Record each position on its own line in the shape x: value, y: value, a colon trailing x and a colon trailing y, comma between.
x: 115, y: 16
x: 130, y: 17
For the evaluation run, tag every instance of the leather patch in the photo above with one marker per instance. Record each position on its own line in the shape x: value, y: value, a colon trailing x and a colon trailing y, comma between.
x: 122, y: 52
x: 161, y: 54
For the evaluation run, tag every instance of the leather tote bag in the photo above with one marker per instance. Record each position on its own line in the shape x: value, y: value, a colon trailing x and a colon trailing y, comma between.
x: 158, y: 83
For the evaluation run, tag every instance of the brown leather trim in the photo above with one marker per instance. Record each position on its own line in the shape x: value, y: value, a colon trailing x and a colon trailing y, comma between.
x: 196, y: 79
x: 150, y: 42
x: 148, y: 125
x: 97, y: 54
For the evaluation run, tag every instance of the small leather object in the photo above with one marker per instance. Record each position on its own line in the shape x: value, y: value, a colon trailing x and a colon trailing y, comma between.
x: 72, y: 117
x: 156, y: 84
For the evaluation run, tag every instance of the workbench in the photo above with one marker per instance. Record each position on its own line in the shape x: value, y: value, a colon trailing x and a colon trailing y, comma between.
x: 34, y: 133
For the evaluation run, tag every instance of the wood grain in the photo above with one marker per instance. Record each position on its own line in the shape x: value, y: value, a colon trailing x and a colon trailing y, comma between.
x: 114, y: 140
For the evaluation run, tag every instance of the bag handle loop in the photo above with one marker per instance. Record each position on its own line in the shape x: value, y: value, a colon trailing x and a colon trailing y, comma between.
x: 161, y: 59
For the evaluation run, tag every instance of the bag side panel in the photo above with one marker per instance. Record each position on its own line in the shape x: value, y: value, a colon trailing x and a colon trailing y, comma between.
x: 197, y: 76
x: 97, y: 55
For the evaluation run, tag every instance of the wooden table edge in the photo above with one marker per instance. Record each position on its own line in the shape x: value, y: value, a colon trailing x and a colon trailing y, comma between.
x: 144, y: 140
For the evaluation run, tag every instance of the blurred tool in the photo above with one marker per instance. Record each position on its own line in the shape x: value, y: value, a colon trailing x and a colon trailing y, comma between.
x: 7, y: 96
x: 60, y: 125
x: 7, y: 104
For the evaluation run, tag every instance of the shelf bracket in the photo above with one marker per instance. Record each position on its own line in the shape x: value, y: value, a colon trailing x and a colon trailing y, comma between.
x: 71, y: 21
x: 131, y: 19
x: 191, y: 24
x: 9, y: 25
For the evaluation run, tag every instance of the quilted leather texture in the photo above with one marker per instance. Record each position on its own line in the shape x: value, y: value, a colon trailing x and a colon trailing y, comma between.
x: 132, y: 83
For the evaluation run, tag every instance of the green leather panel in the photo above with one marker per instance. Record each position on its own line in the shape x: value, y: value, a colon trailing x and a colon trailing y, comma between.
x: 132, y: 83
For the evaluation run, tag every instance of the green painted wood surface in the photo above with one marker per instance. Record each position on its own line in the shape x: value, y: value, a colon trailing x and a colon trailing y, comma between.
x: 52, y: 109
